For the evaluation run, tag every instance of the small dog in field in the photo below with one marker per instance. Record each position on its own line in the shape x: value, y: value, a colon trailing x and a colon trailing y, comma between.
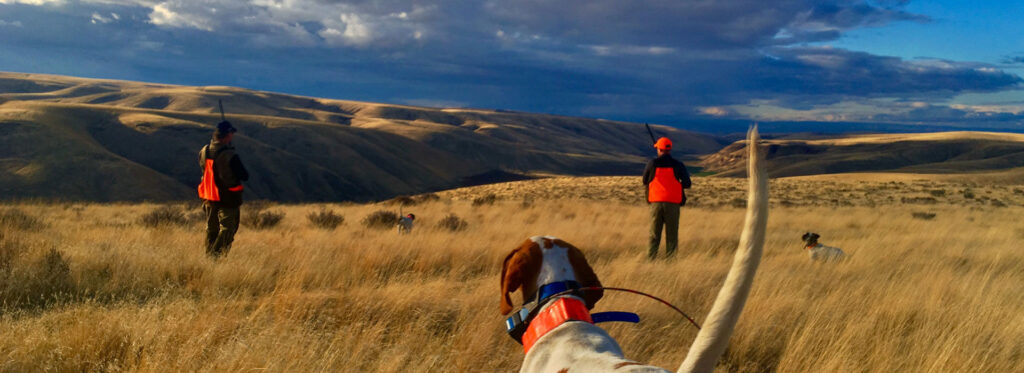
x: 405, y: 223
x: 821, y: 252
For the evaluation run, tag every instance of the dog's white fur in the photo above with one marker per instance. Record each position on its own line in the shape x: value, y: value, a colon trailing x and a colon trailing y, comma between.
x: 825, y: 253
x: 556, y: 267
x: 404, y: 225
x: 577, y: 346
x: 580, y: 345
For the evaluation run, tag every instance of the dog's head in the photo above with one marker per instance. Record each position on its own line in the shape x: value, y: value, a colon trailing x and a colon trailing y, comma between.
x: 543, y: 260
x: 810, y: 238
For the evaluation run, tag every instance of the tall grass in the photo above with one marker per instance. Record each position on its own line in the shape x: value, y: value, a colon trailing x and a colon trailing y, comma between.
x: 90, y: 289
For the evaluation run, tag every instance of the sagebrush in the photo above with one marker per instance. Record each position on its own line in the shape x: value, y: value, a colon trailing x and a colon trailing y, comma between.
x: 164, y: 216
x: 381, y: 219
x: 325, y: 219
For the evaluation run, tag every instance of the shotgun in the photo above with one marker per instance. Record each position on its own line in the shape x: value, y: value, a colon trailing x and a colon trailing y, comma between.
x: 649, y: 132
x: 221, y: 104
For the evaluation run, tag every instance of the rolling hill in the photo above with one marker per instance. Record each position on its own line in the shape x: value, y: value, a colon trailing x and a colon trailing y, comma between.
x: 927, y: 153
x: 103, y: 140
x: 76, y: 139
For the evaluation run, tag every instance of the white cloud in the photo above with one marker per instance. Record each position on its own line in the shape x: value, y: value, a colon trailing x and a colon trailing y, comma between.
x: 293, y: 22
x: 356, y: 30
x: 351, y: 31
x: 993, y: 109
x: 163, y: 15
x: 33, y: 2
x: 348, y: 34
x: 715, y: 111
x: 98, y: 18
x: 4, y: 23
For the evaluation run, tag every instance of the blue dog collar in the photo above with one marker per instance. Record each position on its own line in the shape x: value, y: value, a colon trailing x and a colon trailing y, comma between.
x: 615, y: 316
x: 553, y: 288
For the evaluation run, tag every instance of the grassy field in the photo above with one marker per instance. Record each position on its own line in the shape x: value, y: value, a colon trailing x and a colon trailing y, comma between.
x: 931, y: 285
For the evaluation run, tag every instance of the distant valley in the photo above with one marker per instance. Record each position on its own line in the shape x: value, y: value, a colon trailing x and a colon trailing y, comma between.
x: 100, y: 140
x: 76, y: 139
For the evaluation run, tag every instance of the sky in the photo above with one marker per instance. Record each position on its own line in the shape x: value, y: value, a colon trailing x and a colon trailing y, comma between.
x: 662, y: 61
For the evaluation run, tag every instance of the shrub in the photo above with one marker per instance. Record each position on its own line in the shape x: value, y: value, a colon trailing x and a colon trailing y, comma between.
x: 9, y: 250
x: 919, y: 200
x: 923, y: 215
x: 55, y: 268
x: 164, y: 215
x: 18, y: 219
x: 937, y: 192
x: 485, y: 200
x: 401, y: 201
x: 429, y: 197
x: 325, y: 219
x: 968, y: 194
x: 381, y: 219
x: 257, y: 216
x: 195, y: 214
x: 452, y: 223
x: 52, y: 279
x: 33, y: 282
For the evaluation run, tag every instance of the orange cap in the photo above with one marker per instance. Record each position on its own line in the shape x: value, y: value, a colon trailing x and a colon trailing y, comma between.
x: 663, y: 143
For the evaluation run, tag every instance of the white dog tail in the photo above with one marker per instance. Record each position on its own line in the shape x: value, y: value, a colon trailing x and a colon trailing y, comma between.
x: 713, y: 337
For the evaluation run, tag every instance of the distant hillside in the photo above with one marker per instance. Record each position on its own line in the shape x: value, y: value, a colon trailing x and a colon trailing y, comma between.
x: 986, y: 189
x: 933, y: 153
x: 101, y: 140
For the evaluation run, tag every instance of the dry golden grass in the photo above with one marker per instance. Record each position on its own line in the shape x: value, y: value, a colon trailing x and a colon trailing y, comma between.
x: 869, y: 190
x: 91, y: 289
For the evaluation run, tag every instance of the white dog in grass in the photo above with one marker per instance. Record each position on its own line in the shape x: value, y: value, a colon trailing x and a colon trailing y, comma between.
x: 817, y: 251
x: 405, y: 224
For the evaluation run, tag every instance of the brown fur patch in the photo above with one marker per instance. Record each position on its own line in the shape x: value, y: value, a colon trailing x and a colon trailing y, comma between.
x: 584, y: 273
x: 520, y: 270
x: 563, y: 370
x: 626, y: 364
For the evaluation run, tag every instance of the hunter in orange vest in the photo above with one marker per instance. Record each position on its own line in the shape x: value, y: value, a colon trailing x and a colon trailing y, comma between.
x: 665, y: 179
x: 221, y: 189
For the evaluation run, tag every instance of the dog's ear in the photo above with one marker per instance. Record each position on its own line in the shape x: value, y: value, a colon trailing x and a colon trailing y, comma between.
x: 521, y: 265
x: 806, y: 236
x: 584, y: 274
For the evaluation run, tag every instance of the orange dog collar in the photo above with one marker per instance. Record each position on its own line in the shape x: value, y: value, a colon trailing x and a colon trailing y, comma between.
x: 561, y: 310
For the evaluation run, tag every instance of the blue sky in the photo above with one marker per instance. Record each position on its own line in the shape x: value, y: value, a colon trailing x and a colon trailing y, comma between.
x: 665, y: 61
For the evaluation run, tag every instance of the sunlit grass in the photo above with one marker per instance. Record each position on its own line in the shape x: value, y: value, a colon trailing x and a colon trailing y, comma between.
x: 91, y: 288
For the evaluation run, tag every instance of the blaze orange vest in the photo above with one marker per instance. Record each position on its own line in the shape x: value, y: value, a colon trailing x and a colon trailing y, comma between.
x: 665, y: 187
x: 208, y: 186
